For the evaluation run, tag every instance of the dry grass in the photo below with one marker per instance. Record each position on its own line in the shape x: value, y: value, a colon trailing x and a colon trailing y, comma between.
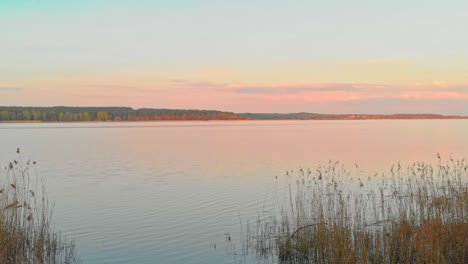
x: 25, y: 228
x: 413, y: 215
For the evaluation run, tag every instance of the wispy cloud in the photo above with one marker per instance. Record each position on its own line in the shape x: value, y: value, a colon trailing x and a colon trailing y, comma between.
x: 303, y: 88
x: 110, y: 86
x: 199, y: 85
x: 381, y: 62
x: 10, y: 89
x: 327, y: 91
x: 275, y: 89
x: 113, y: 87
x: 359, y: 91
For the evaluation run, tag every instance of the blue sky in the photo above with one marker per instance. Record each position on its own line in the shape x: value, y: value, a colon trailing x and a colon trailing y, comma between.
x: 416, y: 49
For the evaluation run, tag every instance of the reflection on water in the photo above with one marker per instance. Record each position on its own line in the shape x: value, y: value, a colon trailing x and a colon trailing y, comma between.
x: 168, y: 192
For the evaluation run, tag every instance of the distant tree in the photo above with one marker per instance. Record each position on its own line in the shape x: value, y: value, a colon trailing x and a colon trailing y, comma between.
x: 37, y: 115
x: 83, y: 114
x: 102, y: 116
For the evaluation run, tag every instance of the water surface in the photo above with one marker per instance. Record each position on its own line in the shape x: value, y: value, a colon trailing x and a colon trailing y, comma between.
x: 167, y: 192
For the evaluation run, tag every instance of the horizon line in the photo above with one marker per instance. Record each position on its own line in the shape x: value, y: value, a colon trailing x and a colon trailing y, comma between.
x: 241, y: 113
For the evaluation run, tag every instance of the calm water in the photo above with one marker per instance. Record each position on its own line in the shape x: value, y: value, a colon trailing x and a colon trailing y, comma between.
x: 167, y: 192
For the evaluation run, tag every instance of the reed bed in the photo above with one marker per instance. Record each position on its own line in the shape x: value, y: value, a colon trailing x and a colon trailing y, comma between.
x: 417, y: 214
x: 26, y: 235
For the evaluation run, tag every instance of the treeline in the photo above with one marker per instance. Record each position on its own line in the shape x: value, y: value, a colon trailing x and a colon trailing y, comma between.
x: 314, y: 116
x: 83, y: 114
x: 290, y: 116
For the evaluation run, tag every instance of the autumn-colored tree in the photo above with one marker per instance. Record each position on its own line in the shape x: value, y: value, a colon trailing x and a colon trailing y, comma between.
x: 102, y: 116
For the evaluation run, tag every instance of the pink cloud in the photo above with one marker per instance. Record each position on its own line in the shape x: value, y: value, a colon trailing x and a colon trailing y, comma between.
x: 183, y: 93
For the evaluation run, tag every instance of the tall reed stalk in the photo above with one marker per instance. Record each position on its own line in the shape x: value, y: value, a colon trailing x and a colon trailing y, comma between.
x: 414, y: 215
x: 26, y: 235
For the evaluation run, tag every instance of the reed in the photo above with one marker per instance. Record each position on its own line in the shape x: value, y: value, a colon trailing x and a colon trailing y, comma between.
x: 417, y: 214
x: 26, y: 235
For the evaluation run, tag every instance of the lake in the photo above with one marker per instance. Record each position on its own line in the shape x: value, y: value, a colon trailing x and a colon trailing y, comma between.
x: 168, y: 192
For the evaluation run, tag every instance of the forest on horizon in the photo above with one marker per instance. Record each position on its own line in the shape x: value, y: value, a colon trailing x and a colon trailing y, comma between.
x: 86, y: 114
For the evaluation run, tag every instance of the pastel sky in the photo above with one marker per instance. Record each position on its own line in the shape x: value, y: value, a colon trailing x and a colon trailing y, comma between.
x: 244, y: 56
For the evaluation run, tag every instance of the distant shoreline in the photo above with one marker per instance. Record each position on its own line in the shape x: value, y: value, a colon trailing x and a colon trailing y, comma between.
x: 70, y: 114
x: 240, y: 120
